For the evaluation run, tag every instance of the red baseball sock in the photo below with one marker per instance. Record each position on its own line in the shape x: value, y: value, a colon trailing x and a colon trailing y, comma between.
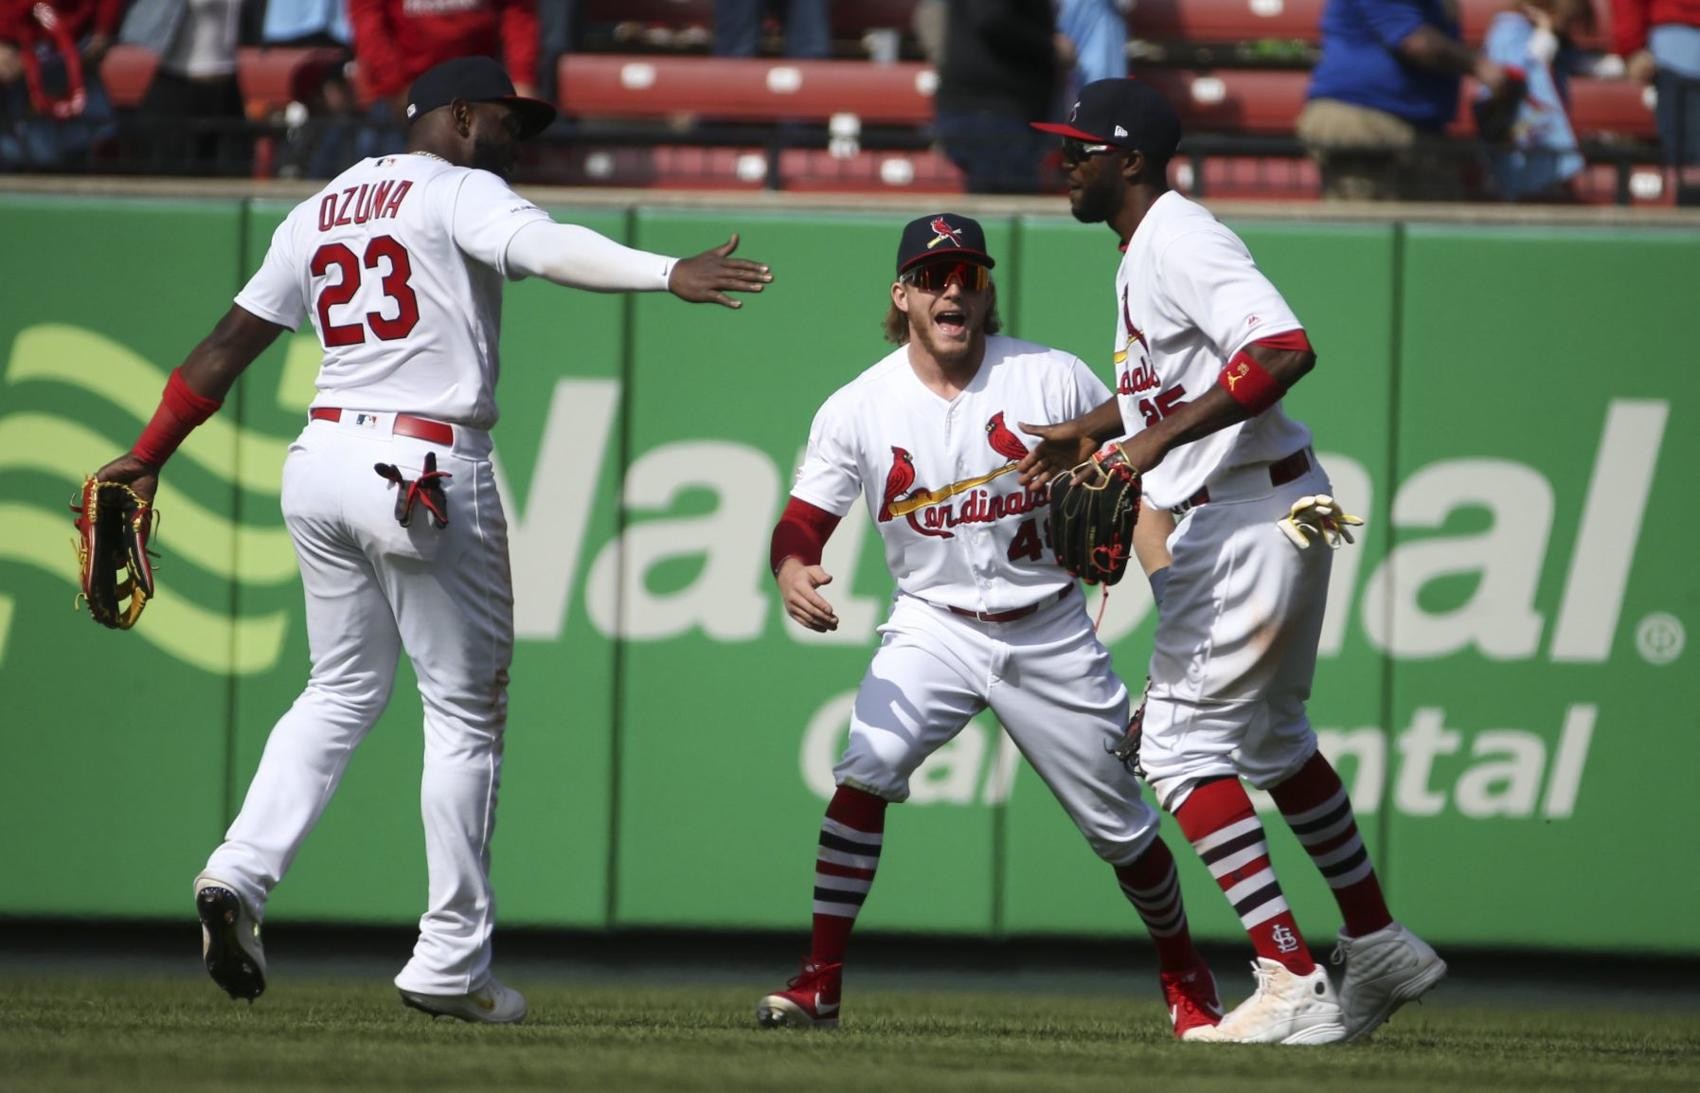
x: 1316, y: 807
x: 850, y: 839
x: 1150, y: 884
x: 1223, y: 827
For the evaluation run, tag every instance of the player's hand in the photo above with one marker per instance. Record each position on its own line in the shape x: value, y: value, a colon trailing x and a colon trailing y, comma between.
x: 139, y: 476
x: 797, y: 584
x: 706, y: 278
x: 1061, y: 448
x: 1318, y: 517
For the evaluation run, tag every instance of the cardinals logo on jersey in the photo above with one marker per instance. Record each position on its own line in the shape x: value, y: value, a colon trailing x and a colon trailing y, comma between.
x: 897, y: 480
x: 981, y: 506
x: 1003, y: 441
x: 1132, y: 333
x: 944, y: 233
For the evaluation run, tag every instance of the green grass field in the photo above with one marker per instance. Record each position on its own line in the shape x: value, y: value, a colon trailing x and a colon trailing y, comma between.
x: 176, y: 1033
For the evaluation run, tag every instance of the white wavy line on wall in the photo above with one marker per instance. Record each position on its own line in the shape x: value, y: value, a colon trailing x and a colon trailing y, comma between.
x: 188, y: 529
x: 173, y: 624
x: 116, y: 373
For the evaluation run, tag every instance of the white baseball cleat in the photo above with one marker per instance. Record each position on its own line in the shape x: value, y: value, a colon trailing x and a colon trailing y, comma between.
x: 1383, y: 971
x: 230, y: 939
x: 1285, y: 1009
x: 493, y: 1004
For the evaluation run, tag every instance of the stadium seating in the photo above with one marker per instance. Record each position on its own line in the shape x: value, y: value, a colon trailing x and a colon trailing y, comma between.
x: 1299, y: 20
x: 740, y: 89
x: 1266, y: 103
x: 127, y: 71
x: 270, y: 79
x: 850, y: 18
x: 273, y: 78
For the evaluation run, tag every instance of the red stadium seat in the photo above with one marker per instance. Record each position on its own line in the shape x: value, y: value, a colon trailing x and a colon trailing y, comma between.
x: 1225, y: 20
x: 1251, y: 178
x: 127, y: 71
x: 744, y: 89
x: 1252, y: 101
x: 815, y: 170
x: 1267, y: 103
x: 273, y: 78
x: 1619, y: 107
x: 662, y: 166
x: 1598, y: 108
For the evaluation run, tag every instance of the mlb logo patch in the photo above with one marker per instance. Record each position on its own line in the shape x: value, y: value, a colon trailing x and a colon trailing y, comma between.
x: 370, y: 421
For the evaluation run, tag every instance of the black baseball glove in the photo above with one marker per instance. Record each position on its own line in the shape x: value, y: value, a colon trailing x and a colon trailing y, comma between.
x: 1093, y: 510
x: 113, y: 525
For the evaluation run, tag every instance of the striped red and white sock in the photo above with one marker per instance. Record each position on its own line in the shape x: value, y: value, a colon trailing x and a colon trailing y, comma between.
x: 1223, y: 827
x: 850, y: 839
x: 1316, y: 807
x: 1151, y: 884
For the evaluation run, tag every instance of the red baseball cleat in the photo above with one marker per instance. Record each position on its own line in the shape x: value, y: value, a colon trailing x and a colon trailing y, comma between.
x: 808, y: 1001
x: 1191, y: 995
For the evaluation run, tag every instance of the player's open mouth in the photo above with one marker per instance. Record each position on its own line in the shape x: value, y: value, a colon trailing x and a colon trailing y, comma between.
x: 952, y: 322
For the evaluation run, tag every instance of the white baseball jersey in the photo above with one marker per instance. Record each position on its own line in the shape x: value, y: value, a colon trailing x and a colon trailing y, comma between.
x: 1188, y: 297
x: 399, y: 262
x: 938, y: 474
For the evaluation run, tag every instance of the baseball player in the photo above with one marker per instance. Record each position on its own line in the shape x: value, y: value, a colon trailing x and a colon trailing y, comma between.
x: 1205, y: 347
x: 399, y: 263
x: 983, y: 617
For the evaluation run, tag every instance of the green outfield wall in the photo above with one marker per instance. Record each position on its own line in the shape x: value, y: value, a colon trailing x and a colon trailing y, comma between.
x: 1504, y: 678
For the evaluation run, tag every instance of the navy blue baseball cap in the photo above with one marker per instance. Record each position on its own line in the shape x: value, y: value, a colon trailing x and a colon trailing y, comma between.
x: 1123, y: 112
x: 940, y: 234
x: 475, y: 79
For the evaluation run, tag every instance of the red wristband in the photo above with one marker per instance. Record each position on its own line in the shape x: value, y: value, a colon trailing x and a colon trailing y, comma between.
x: 181, y: 408
x: 801, y: 533
x: 1250, y: 384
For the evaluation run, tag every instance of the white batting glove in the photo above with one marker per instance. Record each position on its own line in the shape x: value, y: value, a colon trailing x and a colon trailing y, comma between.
x: 1318, y: 517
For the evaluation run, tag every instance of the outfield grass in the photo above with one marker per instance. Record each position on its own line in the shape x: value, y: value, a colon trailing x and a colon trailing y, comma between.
x: 181, y: 1034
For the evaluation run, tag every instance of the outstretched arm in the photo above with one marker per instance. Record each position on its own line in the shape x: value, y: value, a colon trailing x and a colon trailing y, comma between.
x: 1068, y: 444
x: 194, y: 393
x: 568, y: 254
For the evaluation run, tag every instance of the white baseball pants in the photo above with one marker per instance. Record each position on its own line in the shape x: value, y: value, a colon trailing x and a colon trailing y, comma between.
x: 1046, y: 677
x: 373, y: 589
x: 1235, y: 650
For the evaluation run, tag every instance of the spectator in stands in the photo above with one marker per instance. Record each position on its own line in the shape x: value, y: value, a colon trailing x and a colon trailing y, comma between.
x: 1383, y: 91
x: 193, y: 113
x: 395, y: 41
x: 1534, y: 154
x: 53, y: 107
x: 1660, y: 43
x: 737, y: 27
x: 999, y: 71
x: 1097, y: 34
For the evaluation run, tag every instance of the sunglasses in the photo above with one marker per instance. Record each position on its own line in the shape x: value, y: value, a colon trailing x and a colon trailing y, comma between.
x: 1075, y: 150
x: 937, y: 276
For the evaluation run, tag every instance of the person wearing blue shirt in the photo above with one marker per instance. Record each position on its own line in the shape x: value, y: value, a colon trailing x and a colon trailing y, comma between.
x: 1538, y: 157
x: 1383, y: 91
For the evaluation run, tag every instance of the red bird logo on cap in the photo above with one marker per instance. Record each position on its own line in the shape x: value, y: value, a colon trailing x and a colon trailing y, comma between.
x: 944, y: 233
